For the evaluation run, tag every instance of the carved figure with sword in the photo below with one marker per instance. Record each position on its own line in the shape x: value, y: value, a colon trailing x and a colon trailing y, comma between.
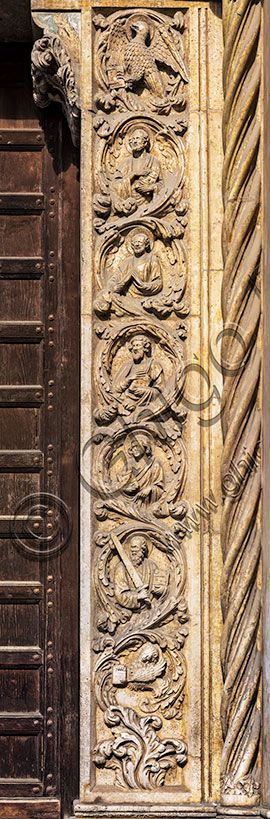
x: 137, y: 578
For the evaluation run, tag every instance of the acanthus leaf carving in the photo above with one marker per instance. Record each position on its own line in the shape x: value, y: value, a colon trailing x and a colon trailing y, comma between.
x: 53, y: 80
x: 140, y: 758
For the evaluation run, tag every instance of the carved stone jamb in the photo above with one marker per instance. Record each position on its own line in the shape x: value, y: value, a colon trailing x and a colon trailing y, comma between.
x: 139, y: 569
x: 241, y: 421
x: 53, y: 80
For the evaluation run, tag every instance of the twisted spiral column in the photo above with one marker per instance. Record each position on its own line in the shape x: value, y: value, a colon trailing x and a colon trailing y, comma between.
x: 241, y: 422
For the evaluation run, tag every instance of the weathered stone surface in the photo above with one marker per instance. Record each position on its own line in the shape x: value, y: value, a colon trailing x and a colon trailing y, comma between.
x: 151, y: 384
x: 153, y: 303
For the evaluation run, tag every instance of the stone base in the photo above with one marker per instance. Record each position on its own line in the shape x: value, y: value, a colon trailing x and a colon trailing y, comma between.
x: 83, y: 810
x: 237, y: 811
x: 87, y: 810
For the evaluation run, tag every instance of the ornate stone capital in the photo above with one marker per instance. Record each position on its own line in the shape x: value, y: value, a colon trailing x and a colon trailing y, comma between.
x: 53, y: 80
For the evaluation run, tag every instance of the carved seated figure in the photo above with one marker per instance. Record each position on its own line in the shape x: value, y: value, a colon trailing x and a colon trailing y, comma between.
x: 153, y: 581
x: 138, y: 178
x: 140, y: 273
x: 144, y: 478
x: 140, y: 380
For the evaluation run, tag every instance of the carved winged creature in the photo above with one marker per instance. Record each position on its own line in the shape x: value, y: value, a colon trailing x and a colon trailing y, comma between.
x: 138, y: 56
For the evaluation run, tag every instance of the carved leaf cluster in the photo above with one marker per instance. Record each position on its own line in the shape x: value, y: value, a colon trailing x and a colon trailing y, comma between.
x: 53, y: 79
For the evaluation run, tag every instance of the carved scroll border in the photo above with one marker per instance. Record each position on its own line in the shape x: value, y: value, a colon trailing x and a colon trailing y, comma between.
x: 129, y: 625
x: 241, y: 420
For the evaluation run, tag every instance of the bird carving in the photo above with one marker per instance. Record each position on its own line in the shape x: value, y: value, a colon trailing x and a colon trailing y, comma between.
x: 137, y: 48
x: 149, y: 665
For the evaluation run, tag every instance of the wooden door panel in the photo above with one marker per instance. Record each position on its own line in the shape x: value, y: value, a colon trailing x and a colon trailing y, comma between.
x: 28, y: 165
x: 19, y: 689
x: 15, y: 228
x: 22, y: 300
x: 19, y: 428
x: 39, y: 332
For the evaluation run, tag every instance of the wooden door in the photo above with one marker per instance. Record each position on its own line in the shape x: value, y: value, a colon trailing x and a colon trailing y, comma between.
x: 39, y: 376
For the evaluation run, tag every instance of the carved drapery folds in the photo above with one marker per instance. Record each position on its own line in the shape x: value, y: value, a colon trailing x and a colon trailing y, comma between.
x: 241, y: 423
x: 139, y: 456
x: 53, y: 80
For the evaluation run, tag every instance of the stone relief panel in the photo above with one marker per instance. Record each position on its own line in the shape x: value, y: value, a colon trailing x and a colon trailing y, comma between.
x: 139, y: 372
x: 139, y: 455
x: 139, y: 576
x: 140, y: 64
x: 140, y: 170
x: 142, y: 269
x: 142, y: 472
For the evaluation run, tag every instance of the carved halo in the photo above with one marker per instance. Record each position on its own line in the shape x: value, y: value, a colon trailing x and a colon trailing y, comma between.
x: 134, y: 232
x: 139, y: 127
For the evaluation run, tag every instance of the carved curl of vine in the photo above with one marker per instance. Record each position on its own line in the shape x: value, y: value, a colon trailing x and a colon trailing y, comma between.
x: 240, y: 595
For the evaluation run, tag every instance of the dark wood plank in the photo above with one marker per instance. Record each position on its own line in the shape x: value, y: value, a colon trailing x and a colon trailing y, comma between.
x: 21, y: 460
x: 13, y: 137
x: 22, y: 525
x: 35, y: 244
x: 21, y: 396
x: 70, y: 482
x: 13, y: 787
x: 20, y: 590
x: 20, y: 234
x: 21, y: 723
x: 20, y: 688
x: 29, y: 809
x: 53, y: 238
x: 21, y: 331
x: 21, y: 363
x: 28, y: 164
x: 24, y: 202
x: 19, y: 267
x: 21, y: 657
x: 22, y: 302
x: 22, y: 373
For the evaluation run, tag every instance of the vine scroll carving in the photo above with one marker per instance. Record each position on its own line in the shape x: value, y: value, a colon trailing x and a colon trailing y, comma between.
x: 139, y: 459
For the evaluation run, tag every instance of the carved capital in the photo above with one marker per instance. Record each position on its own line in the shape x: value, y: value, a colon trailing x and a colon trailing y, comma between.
x: 53, y: 80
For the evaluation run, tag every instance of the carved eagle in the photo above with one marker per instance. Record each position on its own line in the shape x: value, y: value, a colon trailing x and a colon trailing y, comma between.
x: 139, y: 55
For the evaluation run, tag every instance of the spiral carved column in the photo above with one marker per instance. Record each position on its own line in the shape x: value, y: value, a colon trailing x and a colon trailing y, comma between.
x: 241, y: 547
